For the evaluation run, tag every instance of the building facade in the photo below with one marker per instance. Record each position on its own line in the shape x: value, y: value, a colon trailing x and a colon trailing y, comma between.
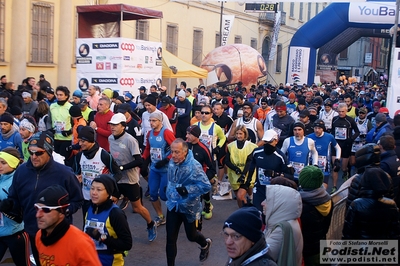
x: 38, y: 37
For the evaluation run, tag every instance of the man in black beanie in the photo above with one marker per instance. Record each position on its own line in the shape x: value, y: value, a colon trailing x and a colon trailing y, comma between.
x: 10, y: 136
x: 244, y: 239
x: 92, y: 161
x: 299, y: 149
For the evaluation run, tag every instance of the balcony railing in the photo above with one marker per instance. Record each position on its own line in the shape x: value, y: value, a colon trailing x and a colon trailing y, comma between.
x: 269, y: 18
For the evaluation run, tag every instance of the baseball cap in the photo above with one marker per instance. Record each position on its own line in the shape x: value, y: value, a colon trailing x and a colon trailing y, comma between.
x: 83, y: 103
x: 383, y: 110
x: 194, y: 130
x: 117, y: 119
x: 363, y: 110
x: 165, y: 100
x: 270, y: 135
x: 53, y: 196
x: 225, y: 101
x: 304, y: 113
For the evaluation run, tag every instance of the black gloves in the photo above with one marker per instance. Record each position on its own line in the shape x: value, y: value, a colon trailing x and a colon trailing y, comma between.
x: 336, y: 165
x: 93, y: 233
x: 216, y: 150
x: 161, y: 164
x: 241, y: 179
x: 269, y: 173
x: 238, y: 171
x: 6, y: 205
x: 182, y: 191
x: 66, y: 133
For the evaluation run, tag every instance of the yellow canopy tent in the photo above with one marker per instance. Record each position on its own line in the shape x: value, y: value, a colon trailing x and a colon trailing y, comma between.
x: 174, y: 67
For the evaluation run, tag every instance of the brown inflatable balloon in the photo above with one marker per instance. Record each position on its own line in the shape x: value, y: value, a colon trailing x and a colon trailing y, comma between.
x: 234, y: 63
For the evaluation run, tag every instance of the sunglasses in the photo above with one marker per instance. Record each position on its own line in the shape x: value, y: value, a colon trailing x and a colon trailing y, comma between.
x: 362, y: 113
x: 205, y: 113
x: 48, y: 209
x: 37, y: 153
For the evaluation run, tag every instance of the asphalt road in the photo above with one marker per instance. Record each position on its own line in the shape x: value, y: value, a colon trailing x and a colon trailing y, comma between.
x: 144, y: 252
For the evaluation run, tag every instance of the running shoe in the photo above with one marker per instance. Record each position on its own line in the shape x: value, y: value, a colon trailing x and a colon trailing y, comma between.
x: 160, y: 220
x: 124, y: 204
x: 205, y: 251
x: 207, y: 211
x: 147, y: 193
x: 345, y: 176
x: 152, y: 232
x: 334, y: 189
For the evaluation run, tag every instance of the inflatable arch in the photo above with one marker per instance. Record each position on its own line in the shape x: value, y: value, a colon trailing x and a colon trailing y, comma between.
x: 332, y: 30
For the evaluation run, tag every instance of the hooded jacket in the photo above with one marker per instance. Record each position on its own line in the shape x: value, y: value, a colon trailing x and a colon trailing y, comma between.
x: 283, y: 204
x: 188, y: 174
x: 372, y: 216
x: 377, y: 132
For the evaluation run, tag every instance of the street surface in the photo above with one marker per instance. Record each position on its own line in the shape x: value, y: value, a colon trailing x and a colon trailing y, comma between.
x: 148, y: 253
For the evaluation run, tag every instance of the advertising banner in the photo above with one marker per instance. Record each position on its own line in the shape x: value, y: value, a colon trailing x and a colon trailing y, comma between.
x: 299, y: 58
x: 275, y: 34
x: 227, y: 21
x: 393, y: 99
x: 372, y: 12
x: 118, y: 63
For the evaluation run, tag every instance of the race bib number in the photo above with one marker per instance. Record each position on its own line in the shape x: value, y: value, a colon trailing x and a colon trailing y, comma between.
x: 341, y: 133
x: 155, y: 154
x: 59, y: 126
x: 322, y: 162
x: 99, y: 226
x: 181, y: 111
x: 297, y: 168
x: 206, y: 140
x: 262, y: 178
x: 278, y: 131
x: 87, y: 179
x: 356, y: 146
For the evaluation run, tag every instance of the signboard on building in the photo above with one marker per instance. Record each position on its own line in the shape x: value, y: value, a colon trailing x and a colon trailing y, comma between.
x: 368, y: 58
x: 299, y: 58
x: 120, y: 64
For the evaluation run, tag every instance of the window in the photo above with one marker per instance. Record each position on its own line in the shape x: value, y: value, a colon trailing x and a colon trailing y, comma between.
x: 278, y: 67
x: 42, y: 33
x: 172, y: 39
x: 291, y: 13
x: 238, y: 39
x: 281, y: 6
x: 253, y: 43
x: 2, y: 15
x: 316, y: 8
x: 343, y: 54
x: 301, y: 11
x: 142, y: 30
x: 197, y: 55
x: 217, y: 40
x: 324, y: 5
x: 309, y: 12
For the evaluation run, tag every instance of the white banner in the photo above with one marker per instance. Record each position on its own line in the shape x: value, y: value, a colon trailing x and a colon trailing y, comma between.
x: 275, y: 34
x: 118, y: 63
x: 227, y: 21
x: 299, y: 58
x: 372, y: 12
x: 393, y: 99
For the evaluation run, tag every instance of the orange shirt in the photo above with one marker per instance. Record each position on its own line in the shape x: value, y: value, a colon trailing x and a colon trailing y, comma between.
x: 75, y: 248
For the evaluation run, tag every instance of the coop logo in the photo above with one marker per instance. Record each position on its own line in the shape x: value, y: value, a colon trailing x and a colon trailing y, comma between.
x: 128, y: 47
x: 127, y: 82
x: 111, y: 45
x: 104, y: 81
x: 296, y: 77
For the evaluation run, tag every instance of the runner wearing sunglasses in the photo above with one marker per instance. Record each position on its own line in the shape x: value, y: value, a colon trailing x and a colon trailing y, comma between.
x: 56, y: 238
x: 38, y: 173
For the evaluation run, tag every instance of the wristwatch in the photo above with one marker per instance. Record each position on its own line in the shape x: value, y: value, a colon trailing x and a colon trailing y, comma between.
x: 103, y: 237
x: 121, y: 168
